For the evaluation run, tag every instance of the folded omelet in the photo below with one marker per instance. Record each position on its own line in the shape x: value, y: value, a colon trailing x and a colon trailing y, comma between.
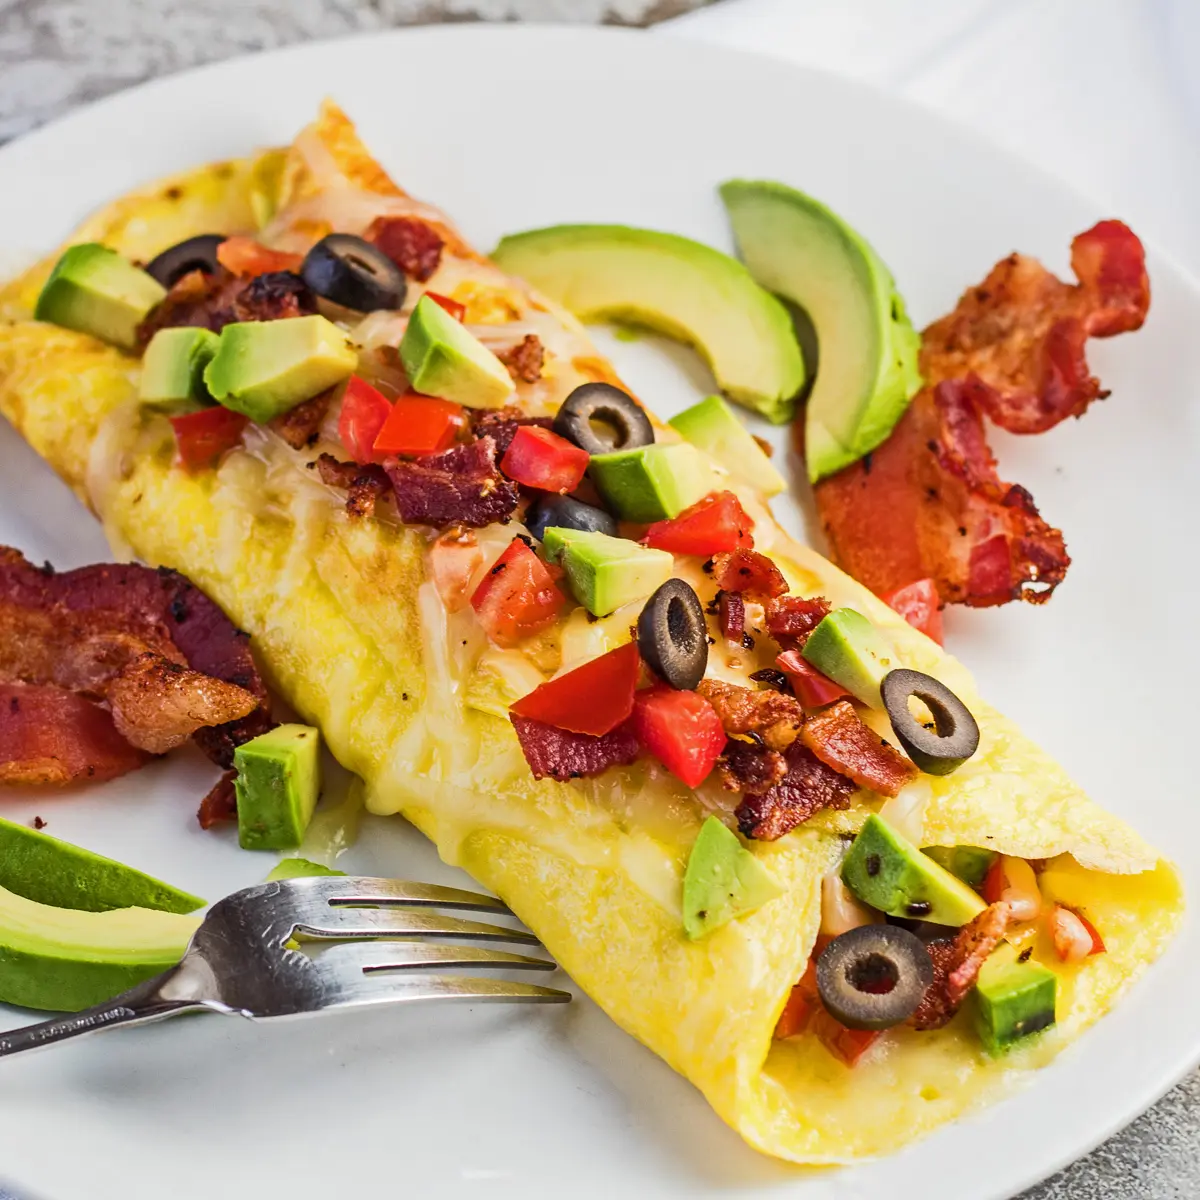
x: 411, y: 697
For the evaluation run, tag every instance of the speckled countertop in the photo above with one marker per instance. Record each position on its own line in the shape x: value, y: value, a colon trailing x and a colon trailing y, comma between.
x: 57, y: 54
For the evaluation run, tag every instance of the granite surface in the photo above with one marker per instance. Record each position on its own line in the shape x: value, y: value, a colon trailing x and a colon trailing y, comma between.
x: 57, y: 54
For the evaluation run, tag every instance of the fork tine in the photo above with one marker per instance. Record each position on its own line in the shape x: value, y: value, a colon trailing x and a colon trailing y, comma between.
x: 377, y: 923
x: 372, y: 957
x: 385, y: 892
x: 361, y: 989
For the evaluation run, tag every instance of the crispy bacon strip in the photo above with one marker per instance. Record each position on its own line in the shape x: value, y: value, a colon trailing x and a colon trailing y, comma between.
x: 49, y: 737
x: 301, y: 426
x: 501, y: 425
x: 768, y: 714
x: 790, y: 619
x: 137, y: 609
x: 929, y: 503
x: 808, y: 787
x: 365, y: 484
x: 526, y: 359
x: 956, y: 965
x: 731, y: 616
x: 558, y: 754
x: 838, y: 737
x: 750, y: 766
x: 749, y: 572
x: 460, y: 486
x: 157, y: 704
x: 220, y: 804
x: 412, y: 244
x: 1022, y: 331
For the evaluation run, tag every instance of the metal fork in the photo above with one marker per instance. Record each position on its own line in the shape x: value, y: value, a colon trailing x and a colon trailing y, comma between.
x: 243, y: 959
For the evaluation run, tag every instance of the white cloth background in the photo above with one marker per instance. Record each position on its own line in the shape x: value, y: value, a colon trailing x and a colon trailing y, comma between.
x: 1104, y: 94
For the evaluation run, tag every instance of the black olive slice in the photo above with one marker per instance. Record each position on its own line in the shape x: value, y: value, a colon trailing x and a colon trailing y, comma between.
x: 672, y: 637
x: 195, y: 254
x: 566, y: 513
x: 348, y: 271
x: 873, y: 977
x: 955, y: 735
x: 600, y: 418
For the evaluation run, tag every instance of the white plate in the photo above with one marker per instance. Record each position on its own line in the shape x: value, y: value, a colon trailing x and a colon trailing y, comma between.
x: 511, y: 128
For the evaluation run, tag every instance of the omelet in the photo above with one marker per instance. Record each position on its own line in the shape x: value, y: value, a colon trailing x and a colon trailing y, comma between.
x: 351, y: 630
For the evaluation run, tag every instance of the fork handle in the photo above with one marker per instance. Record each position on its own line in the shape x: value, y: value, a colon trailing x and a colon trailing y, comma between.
x: 138, y: 1006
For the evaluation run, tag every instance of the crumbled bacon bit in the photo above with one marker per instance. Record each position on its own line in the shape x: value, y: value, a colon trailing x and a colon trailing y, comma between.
x: 559, y: 754
x: 301, y: 426
x: 38, y: 823
x: 220, y: 804
x: 460, y: 486
x: 790, y: 619
x: 526, y: 359
x: 412, y: 244
x: 731, y: 615
x: 748, y: 571
x: 364, y: 483
x: 1022, y: 332
x: 933, y: 506
x: 838, y: 737
x: 750, y: 766
x: 808, y: 787
x: 50, y: 736
x: 774, y: 717
x: 501, y: 425
x: 956, y: 965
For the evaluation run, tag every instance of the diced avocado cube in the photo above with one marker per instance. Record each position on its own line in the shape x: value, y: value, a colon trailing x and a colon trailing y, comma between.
x: 1013, y: 999
x: 887, y: 872
x: 605, y: 572
x: 723, y: 880
x: 278, y: 780
x: 300, y: 868
x: 264, y: 368
x: 968, y: 863
x: 713, y: 427
x: 443, y: 358
x: 173, y: 369
x: 93, y: 289
x: 652, y: 483
x: 851, y: 651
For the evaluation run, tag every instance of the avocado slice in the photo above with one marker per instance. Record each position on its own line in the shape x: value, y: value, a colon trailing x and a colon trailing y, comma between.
x: 93, y: 289
x: 868, y: 372
x: 651, y: 483
x: 851, y: 651
x: 968, y: 863
x: 278, y: 781
x: 43, y: 869
x: 300, y: 868
x: 173, y: 369
x: 264, y: 368
x: 64, y: 959
x: 889, y: 873
x: 605, y: 573
x: 679, y: 288
x: 712, y: 426
x: 723, y: 880
x: 443, y: 358
x: 1013, y: 999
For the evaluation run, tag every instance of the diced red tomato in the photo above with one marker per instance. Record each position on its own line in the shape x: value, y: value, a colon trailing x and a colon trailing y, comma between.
x: 920, y: 605
x: 541, y: 459
x: 681, y: 729
x: 245, y: 257
x: 202, y: 437
x: 594, y: 698
x: 812, y: 688
x: 1074, y: 936
x: 712, y: 525
x: 453, y: 307
x: 453, y: 560
x: 843, y: 1043
x: 419, y: 425
x: 801, y: 1006
x: 365, y: 411
x: 518, y: 596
